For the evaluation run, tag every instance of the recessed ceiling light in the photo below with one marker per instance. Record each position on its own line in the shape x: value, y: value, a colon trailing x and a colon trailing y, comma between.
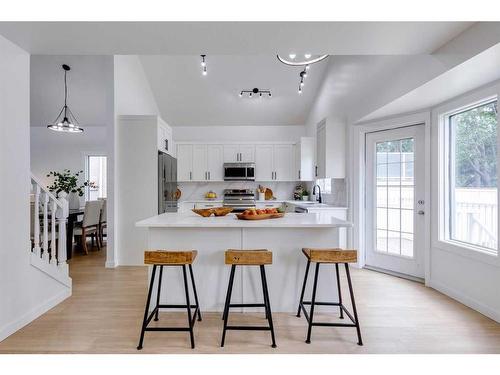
x: 307, y: 55
x: 292, y: 55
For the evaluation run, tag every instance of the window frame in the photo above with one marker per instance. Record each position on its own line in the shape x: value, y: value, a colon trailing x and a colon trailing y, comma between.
x: 446, y: 174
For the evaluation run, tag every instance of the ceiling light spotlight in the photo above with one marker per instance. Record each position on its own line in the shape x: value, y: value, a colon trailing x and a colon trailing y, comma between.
x: 301, y: 83
x: 256, y: 91
x: 300, y: 90
x: 307, y: 55
x: 203, y: 65
x: 301, y: 61
x: 303, y: 75
x: 307, y: 67
x: 292, y: 56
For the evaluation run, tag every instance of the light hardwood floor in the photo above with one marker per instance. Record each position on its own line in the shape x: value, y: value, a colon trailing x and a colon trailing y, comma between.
x: 397, y: 316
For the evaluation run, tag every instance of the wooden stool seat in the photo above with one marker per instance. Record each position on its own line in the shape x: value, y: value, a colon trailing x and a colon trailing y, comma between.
x: 169, y: 257
x: 257, y: 257
x: 331, y: 255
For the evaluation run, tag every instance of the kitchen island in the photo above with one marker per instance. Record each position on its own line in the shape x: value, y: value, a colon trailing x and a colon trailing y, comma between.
x: 285, y: 237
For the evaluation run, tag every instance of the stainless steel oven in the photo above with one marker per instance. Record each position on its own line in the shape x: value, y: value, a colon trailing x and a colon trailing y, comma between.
x: 239, y: 171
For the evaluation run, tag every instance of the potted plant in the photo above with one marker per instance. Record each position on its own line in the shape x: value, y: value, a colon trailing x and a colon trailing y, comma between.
x: 305, y: 195
x: 67, y: 182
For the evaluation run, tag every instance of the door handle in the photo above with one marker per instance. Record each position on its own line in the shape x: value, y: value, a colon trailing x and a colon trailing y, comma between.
x: 421, y: 212
x: 316, y: 171
x: 209, y: 175
x: 190, y: 175
x: 166, y: 144
x: 299, y: 174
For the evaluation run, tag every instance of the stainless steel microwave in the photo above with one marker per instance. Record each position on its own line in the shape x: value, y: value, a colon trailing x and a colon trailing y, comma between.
x: 239, y: 171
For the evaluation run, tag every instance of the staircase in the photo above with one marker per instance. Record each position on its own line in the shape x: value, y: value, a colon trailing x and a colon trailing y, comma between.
x: 48, y: 232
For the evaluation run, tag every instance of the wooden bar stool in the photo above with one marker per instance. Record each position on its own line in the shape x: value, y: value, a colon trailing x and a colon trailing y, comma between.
x: 160, y: 258
x: 248, y: 258
x: 330, y: 256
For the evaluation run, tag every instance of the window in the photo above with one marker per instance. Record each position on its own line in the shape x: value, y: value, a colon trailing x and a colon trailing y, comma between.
x: 471, y: 191
x: 95, y: 173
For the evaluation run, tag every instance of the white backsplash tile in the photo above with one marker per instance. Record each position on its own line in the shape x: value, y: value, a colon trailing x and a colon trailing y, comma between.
x: 197, y: 190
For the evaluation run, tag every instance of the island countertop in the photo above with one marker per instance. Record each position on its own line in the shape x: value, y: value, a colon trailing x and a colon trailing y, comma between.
x: 291, y: 220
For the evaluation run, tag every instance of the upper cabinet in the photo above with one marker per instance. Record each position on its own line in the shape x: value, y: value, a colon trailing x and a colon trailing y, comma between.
x: 239, y: 153
x: 305, y: 159
x: 199, y: 162
x: 274, y: 162
x: 330, y: 149
x: 165, y: 139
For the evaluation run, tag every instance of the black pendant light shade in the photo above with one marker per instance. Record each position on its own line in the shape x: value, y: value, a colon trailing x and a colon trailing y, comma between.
x: 65, y: 120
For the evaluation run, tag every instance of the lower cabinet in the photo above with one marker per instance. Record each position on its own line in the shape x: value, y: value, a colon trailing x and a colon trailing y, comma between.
x: 272, y: 204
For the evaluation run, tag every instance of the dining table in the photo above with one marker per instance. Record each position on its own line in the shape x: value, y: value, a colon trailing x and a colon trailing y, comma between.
x: 70, y: 226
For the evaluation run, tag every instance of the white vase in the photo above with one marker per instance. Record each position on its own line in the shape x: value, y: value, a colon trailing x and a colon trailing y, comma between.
x: 305, y: 197
x: 73, y: 201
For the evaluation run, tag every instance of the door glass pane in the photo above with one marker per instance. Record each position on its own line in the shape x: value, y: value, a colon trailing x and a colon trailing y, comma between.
x: 395, y: 196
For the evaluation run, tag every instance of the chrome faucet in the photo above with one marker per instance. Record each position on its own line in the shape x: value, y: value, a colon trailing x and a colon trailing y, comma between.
x: 319, y: 193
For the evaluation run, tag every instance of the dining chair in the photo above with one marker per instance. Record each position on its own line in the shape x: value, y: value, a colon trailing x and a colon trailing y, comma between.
x: 103, y: 220
x: 90, y: 225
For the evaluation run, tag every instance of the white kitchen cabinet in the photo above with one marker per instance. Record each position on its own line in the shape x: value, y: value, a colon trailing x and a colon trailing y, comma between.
x: 184, y: 162
x: 204, y: 205
x: 305, y: 159
x: 283, y: 162
x: 274, y: 162
x: 264, y: 169
x: 215, y: 161
x: 199, y: 162
x: 239, y: 153
x: 164, y: 139
x: 247, y: 153
x: 331, y: 148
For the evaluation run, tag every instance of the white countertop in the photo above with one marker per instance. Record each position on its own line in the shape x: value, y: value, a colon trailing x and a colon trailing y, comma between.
x: 291, y: 220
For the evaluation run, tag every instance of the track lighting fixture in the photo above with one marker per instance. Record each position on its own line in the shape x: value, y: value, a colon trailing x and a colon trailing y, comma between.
x: 203, y: 65
x: 250, y: 93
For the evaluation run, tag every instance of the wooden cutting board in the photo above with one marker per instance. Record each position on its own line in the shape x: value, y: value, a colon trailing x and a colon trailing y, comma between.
x: 268, y: 194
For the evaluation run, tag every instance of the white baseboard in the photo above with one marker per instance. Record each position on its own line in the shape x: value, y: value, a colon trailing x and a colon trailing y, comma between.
x: 466, y: 300
x: 27, y: 318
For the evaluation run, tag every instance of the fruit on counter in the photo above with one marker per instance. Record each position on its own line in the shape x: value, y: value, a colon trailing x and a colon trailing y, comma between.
x: 281, y: 209
x: 210, y: 195
x: 265, y: 211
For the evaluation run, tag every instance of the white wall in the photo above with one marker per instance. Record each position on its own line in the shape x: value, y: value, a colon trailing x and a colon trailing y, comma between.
x: 466, y: 275
x: 132, y: 96
x: 54, y: 151
x: 238, y: 133
x: 25, y: 292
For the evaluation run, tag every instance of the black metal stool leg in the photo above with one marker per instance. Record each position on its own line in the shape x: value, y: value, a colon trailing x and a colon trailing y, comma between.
x: 339, y: 290
x: 195, y: 294
x: 313, y: 300
x: 188, y: 305
x: 226, y: 306
x: 303, y: 287
x: 158, y: 293
x: 144, y: 321
x: 267, y: 303
x: 360, y: 342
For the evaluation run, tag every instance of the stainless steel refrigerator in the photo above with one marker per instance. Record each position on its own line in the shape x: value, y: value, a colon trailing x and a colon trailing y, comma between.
x: 167, y: 183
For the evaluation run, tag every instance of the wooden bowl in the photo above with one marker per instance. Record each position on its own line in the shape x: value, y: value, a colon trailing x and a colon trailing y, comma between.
x: 222, y: 211
x: 205, y: 212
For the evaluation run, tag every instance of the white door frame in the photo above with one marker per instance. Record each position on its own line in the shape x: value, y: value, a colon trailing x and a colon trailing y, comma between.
x: 357, y: 176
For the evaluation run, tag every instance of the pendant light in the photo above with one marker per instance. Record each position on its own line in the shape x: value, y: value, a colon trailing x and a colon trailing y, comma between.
x: 65, y: 120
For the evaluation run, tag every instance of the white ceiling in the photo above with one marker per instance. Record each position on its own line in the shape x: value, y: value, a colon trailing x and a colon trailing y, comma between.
x: 185, y: 97
x: 232, y: 38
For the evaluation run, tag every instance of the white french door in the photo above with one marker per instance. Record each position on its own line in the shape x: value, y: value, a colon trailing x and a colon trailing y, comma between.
x: 395, y: 206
